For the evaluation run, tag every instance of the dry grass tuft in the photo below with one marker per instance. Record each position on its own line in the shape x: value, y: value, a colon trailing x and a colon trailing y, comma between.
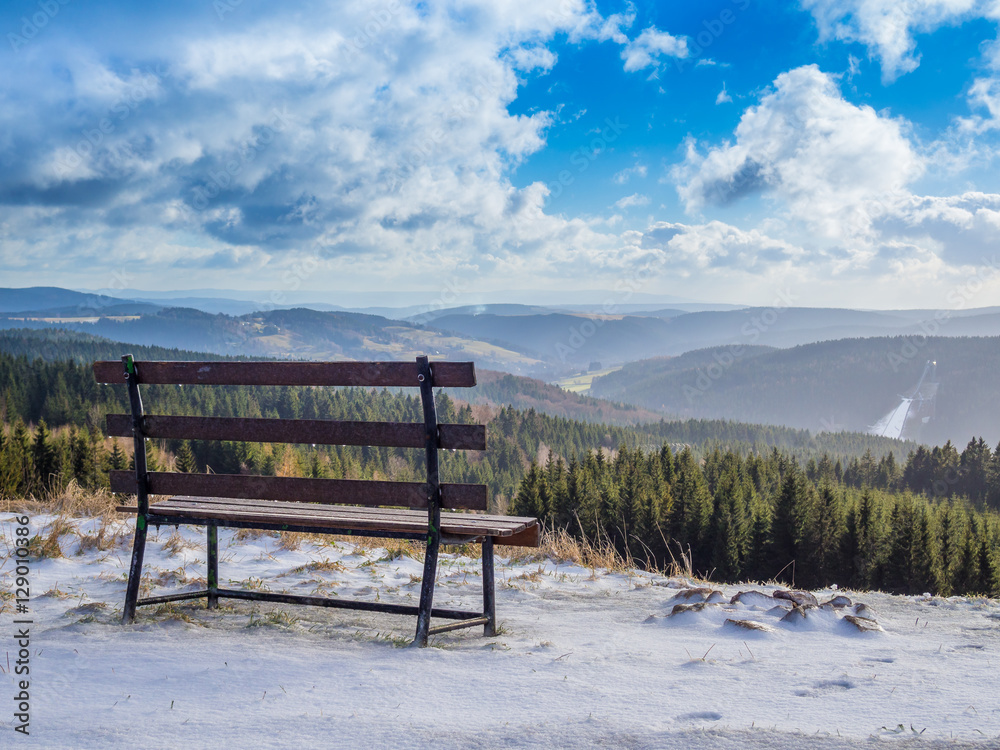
x: 397, y: 548
x: 174, y: 611
x: 330, y: 565
x: 290, y: 540
x: 560, y: 547
x: 102, y: 540
x: 176, y: 544
x: 73, y: 500
x: 275, y: 618
x: 244, y: 534
x: 46, y: 543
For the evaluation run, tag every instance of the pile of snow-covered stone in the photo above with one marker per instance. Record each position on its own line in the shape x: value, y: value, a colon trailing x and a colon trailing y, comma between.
x: 762, y: 612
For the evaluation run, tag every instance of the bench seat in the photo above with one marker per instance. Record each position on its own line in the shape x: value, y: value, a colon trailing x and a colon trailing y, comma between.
x: 455, y: 527
x: 431, y: 512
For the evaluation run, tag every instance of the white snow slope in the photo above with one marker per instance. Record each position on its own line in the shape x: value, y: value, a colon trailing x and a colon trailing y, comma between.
x: 585, y: 659
x: 892, y: 424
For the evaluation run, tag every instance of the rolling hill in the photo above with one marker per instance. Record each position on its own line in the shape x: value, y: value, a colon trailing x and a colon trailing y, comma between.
x: 835, y: 385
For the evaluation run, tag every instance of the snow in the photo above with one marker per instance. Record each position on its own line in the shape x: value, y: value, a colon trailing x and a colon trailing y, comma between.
x: 586, y: 658
x: 892, y: 424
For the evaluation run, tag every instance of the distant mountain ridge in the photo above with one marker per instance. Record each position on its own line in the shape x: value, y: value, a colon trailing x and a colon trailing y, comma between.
x: 523, y: 339
x: 38, y: 298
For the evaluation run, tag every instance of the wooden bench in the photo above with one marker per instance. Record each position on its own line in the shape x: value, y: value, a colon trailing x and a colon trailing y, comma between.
x: 431, y: 511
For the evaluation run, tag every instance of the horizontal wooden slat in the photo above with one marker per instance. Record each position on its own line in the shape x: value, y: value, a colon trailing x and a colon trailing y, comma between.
x: 445, y: 374
x: 465, y: 524
x: 315, y: 431
x: 513, y: 522
x: 508, y: 530
x: 303, y: 490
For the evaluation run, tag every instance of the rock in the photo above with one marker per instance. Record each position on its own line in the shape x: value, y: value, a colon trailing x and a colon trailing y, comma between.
x: 752, y: 599
x: 798, y: 613
x: 797, y: 597
x: 700, y: 595
x: 837, y: 602
x: 750, y: 625
x: 863, y: 610
x: 682, y: 608
x: 864, y: 624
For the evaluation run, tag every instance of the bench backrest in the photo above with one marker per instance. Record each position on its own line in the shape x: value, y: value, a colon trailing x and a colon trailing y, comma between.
x: 429, y: 435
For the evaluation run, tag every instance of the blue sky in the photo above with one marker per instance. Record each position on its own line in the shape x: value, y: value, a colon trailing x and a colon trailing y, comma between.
x: 839, y: 153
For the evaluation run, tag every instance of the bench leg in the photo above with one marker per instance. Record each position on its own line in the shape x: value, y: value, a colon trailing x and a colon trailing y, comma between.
x: 213, y: 566
x: 135, y: 571
x: 489, y: 590
x: 427, y: 590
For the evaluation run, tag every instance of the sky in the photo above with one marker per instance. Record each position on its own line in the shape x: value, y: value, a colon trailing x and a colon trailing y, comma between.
x: 824, y: 152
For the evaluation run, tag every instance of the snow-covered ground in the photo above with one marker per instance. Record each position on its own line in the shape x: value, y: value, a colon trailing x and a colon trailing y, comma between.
x: 585, y: 659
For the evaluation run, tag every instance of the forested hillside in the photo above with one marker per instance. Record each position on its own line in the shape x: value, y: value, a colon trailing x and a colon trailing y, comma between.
x: 297, y: 333
x: 742, y: 500
x: 495, y: 388
x: 833, y: 385
x: 736, y: 518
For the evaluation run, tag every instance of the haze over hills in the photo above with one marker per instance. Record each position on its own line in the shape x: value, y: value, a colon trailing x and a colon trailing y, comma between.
x: 296, y: 333
x: 808, y: 368
x: 26, y: 383
x: 847, y: 384
x: 289, y: 294
x: 571, y: 341
x: 533, y: 340
x: 51, y: 297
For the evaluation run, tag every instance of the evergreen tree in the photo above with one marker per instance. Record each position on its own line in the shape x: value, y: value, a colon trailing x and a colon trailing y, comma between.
x: 184, y: 461
x: 730, y: 527
x: 949, y: 543
x: 862, y: 545
x: 822, y: 536
x: 896, y: 574
x: 790, y: 512
x: 117, y: 458
x: 45, y: 459
x: 923, y: 556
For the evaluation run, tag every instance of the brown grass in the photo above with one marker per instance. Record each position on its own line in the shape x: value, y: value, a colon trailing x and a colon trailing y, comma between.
x: 45, y: 544
x: 176, y: 544
x: 244, y: 534
x: 560, y: 547
x: 289, y: 540
x: 331, y: 565
x: 73, y: 500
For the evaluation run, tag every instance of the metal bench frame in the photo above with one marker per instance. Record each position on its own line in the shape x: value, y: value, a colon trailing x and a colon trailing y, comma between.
x: 311, y: 505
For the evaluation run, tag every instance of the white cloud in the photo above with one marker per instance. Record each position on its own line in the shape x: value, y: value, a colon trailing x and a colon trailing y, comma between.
x: 723, y: 96
x: 530, y: 58
x: 629, y: 201
x: 984, y: 94
x: 646, y: 49
x: 961, y: 229
x: 823, y: 157
x: 613, y: 27
x: 687, y: 248
x: 393, y: 143
x: 887, y: 27
x: 638, y: 170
